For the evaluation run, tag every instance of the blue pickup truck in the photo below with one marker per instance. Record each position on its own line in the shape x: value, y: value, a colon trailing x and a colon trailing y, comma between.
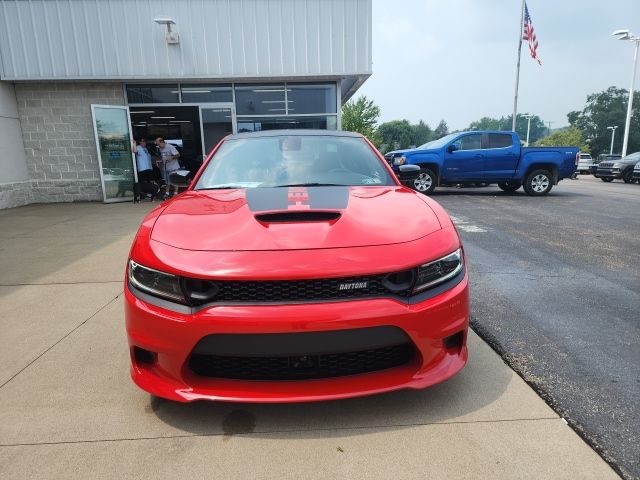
x: 487, y: 157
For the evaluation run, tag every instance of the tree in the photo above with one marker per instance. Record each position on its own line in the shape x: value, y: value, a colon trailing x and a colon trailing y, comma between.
x: 361, y: 116
x: 441, y: 130
x: 565, y: 137
x: 537, y: 128
x: 607, y: 109
x: 487, y: 123
x: 395, y: 135
x: 421, y: 133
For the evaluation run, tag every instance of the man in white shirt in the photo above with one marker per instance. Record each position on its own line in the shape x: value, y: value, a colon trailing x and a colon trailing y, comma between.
x: 170, y: 164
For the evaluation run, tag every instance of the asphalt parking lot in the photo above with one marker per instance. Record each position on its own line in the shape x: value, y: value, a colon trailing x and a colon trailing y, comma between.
x: 69, y: 410
x: 556, y: 289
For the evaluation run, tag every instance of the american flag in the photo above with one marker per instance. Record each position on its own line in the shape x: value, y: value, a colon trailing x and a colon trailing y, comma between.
x: 529, y: 34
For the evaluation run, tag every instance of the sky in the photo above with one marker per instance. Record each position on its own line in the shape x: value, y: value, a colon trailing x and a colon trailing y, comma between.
x: 456, y: 59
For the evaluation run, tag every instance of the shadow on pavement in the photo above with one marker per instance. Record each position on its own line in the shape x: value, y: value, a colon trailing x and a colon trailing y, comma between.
x: 461, y: 398
x: 489, y: 192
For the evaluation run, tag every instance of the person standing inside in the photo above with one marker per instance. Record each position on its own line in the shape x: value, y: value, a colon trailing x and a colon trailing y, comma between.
x: 170, y: 164
x: 143, y: 160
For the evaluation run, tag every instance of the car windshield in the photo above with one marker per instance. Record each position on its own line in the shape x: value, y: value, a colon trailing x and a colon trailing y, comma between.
x: 634, y: 156
x: 293, y: 160
x: 438, y: 143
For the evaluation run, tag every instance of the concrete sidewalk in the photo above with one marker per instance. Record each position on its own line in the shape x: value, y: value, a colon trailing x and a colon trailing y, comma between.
x: 69, y: 410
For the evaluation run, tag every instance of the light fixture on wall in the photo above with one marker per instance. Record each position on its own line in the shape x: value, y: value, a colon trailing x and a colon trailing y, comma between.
x: 172, y: 37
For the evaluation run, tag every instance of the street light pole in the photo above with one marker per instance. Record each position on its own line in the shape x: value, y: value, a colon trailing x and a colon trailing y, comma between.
x: 613, y: 135
x: 528, y: 117
x: 627, y: 35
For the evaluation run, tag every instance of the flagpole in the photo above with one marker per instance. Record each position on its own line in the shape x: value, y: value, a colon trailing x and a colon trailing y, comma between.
x: 515, y: 98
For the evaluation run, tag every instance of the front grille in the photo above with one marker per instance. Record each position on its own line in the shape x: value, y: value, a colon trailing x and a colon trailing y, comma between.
x: 304, y: 290
x: 301, y: 367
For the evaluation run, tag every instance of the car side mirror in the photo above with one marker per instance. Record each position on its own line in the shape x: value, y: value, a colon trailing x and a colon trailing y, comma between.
x: 452, y: 148
x: 180, y: 178
x: 408, y: 173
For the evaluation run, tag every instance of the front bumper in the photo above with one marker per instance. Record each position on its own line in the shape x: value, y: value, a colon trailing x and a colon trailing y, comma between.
x: 608, y: 174
x: 172, y: 336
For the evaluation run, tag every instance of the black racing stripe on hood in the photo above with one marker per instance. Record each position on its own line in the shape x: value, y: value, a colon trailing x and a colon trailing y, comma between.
x: 318, y: 198
x: 328, y: 198
x: 267, y: 199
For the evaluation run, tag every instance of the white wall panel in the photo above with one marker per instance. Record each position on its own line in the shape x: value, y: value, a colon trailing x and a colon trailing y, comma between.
x: 118, y: 39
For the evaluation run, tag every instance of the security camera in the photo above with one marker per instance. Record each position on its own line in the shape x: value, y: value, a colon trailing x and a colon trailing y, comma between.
x: 172, y: 37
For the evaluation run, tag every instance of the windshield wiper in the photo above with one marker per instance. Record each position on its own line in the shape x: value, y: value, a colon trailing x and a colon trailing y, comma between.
x: 311, y: 184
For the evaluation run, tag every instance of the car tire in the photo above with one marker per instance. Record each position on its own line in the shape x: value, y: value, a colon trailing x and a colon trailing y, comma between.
x: 426, y: 181
x: 607, y: 180
x: 538, y: 182
x: 509, y: 186
x: 627, y: 177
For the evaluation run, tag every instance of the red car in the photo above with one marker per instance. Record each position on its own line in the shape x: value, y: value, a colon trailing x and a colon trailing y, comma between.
x: 296, y: 267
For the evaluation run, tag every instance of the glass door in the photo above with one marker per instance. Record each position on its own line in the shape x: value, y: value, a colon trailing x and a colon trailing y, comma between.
x: 113, y: 140
x: 218, y: 121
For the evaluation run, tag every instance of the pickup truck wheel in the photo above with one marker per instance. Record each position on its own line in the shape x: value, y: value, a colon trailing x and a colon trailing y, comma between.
x: 509, y: 186
x: 607, y: 180
x: 627, y: 177
x: 426, y: 181
x: 538, y: 183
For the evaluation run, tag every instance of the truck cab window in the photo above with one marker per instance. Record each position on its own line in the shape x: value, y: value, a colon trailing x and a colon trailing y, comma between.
x: 499, y: 140
x: 469, y: 142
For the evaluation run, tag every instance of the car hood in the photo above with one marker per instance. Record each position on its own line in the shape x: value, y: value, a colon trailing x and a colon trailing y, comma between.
x: 413, y: 150
x: 398, y: 152
x: 294, y: 218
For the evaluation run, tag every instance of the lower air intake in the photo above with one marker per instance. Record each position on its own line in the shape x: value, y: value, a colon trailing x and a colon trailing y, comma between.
x: 301, y: 367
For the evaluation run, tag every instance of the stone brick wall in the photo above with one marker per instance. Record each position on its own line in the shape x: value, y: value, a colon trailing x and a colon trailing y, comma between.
x: 58, y: 136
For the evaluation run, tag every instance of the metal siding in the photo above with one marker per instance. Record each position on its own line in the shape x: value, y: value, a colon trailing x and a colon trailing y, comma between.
x: 118, y: 39
x: 325, y: 51
x: 262, y: 36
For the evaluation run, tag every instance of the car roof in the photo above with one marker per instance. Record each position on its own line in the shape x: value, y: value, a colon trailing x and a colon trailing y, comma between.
x: 296, y: 133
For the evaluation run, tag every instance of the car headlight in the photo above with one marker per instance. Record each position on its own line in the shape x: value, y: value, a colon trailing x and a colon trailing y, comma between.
x: 439, y: 271
x: 399, y: 161
x: 156, y: 283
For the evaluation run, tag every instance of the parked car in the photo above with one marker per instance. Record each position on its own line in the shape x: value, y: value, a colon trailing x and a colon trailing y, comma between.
x: 593, y: 168
x: 636, y: 172
x: 489, y: 157
x: 585, y: 160
x: 621, y: 168
x: 276, y: 278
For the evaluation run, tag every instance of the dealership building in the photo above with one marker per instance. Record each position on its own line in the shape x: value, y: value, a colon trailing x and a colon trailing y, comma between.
x: 79, y: 79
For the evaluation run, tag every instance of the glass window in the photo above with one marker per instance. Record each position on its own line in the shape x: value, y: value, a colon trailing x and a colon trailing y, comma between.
x: 260, y: 99
x: 308, y: 98
x: 294, y: 159
x: 329, y: 122
x: 152, y: 94
x: 469, y: 142
x: 206, y: 93
x: 499, y: 140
